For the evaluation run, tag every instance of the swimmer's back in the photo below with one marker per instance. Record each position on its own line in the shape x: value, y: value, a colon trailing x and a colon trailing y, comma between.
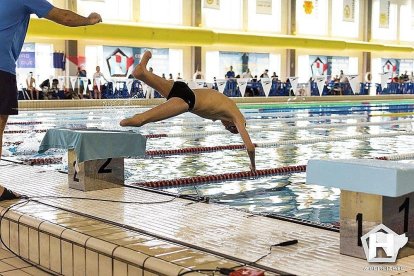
x: 211, y: 104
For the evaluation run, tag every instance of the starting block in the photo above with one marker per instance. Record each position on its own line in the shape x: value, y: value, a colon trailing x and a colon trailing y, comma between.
x: 95, y: 157
x: 373, y: 192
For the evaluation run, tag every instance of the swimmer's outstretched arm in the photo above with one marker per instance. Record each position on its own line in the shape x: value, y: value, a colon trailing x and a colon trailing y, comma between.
x: 247, y: 143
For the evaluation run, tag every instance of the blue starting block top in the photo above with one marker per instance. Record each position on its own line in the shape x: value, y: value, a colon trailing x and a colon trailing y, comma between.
x: 379, y: 177
x: 93, y: 144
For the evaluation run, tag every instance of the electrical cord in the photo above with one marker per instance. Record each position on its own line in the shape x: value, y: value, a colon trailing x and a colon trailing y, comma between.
x: 105, y: 200
x: 227, y: 271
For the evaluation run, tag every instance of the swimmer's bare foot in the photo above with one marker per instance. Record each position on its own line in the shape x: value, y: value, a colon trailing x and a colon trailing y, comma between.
x: 141, y: 68
x: 135, y: 121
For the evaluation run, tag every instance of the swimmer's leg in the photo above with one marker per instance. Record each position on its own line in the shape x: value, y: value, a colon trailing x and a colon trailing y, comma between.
x: 171, y: 108
x: 140, y: 72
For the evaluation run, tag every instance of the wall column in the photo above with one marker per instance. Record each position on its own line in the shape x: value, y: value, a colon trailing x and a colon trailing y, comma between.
x: 367, y: 32
x: 196, y: 51
x: 291, y: 30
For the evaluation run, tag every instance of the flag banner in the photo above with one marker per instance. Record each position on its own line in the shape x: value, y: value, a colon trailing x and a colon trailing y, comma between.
x: 384, y: 79
x: 264, y: 7
x: 320, y: 82
x: 212, y: 4
x: 129, y: 85
x: 384, y: 14
x: 353, y: 82
x: 61, y: 80
x: 73, y: 81
x: 348, y: 11
x: 294, y: 83
x: 242, y: 83
x: 221, y: 84
x: 266, y: 84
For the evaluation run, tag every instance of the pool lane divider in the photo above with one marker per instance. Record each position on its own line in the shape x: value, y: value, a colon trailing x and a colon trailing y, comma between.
x: 199, y: 180
x: 204, y: 133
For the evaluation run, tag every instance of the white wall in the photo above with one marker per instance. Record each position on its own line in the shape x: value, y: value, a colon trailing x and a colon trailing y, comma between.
x: 342, y: 28
x: 112, y: 10
x: 162, y: 11
x: 228, y: 17
x: 265, y: 22
x: 389, y: 33
x: 315, y: 23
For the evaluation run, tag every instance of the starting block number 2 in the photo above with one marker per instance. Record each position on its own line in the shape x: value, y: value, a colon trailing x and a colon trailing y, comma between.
x: 102, y: 169
x: 404, y: 207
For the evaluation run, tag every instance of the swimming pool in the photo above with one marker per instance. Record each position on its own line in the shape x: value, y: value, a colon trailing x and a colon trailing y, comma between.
x: 287, y: 134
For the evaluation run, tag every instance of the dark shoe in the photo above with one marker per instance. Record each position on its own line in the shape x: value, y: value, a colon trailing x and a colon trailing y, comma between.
x: 8, y: 195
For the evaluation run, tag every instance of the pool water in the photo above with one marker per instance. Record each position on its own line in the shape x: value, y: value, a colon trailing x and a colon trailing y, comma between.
x: 286, y: 195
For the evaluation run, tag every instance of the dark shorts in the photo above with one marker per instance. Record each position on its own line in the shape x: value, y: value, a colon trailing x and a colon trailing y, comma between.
x: 8, y: 94
x: 181, y: 90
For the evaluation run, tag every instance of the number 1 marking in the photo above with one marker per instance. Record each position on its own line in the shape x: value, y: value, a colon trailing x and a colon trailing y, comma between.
x: 406, y: 207
x: 359, y: 221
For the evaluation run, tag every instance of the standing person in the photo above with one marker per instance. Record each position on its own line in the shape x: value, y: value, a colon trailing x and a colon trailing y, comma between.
x: 230, y: 74
x: 14, y: 20
x: 265, y: 74
x: 81, y: 75
x: 31, y: 86
x: 206, y: 103
x: 97, y: 87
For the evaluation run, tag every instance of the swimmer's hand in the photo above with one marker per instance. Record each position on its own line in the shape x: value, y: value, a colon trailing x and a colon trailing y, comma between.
x: 252, y: 168
x: 94, y: 18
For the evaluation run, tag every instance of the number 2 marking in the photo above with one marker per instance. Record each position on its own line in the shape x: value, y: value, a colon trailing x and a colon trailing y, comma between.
x: 103, y: 168
x: 76, y: 173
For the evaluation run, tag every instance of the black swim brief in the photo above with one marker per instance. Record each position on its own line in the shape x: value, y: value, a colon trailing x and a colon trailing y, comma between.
x: 8, y: 94
x: 181, y: 90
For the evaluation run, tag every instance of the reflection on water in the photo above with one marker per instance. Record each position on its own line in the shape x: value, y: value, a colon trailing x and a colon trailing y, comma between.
x: 286, y: 195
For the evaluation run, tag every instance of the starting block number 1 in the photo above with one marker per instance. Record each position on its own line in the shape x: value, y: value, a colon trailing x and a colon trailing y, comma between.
x: 404, y: 207
x: 101, y: 170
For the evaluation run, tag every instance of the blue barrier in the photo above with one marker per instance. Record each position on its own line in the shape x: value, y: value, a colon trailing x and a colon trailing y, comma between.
x: 253, y: 88
x: 395, y: 88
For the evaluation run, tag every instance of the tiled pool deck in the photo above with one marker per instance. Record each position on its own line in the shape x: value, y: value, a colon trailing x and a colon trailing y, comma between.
x: 77, y: 237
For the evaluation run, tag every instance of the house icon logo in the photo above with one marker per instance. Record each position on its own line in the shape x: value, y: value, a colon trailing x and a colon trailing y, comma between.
x: 382, y: 237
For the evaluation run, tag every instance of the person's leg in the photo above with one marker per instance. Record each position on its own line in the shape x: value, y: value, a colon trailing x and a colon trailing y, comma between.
x: 140, y: 72
x: 3, y: 122
x: 4, y: 193
x: 170, y: 108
